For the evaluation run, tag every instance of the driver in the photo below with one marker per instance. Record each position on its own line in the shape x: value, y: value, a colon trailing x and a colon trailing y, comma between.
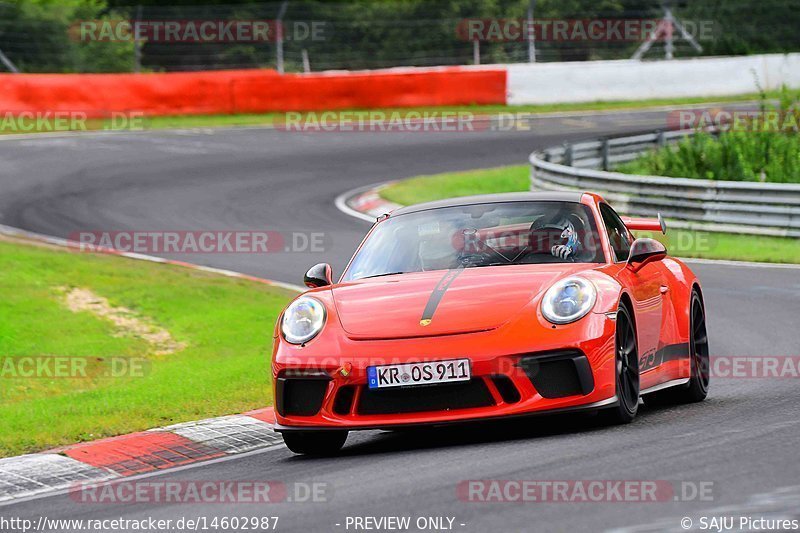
x: 557, y: 234
x: 571, y: 247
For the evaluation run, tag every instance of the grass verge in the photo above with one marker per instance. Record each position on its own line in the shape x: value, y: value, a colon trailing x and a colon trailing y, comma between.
x: 682, y: 243
x: 11, y: 126
x: 114, y: 383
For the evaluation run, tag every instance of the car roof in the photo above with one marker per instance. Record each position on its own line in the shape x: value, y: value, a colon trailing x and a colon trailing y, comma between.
x: 568, y: 196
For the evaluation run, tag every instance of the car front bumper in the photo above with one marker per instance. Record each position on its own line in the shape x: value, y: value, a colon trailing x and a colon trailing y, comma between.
x: 541, y: 371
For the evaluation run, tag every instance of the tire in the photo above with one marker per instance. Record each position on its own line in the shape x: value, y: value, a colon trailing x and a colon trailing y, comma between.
x: 315, y: 442
x: 626, y: 369
x: 697, y: 388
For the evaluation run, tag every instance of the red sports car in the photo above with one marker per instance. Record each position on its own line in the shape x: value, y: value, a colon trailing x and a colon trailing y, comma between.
x: 488, y: 307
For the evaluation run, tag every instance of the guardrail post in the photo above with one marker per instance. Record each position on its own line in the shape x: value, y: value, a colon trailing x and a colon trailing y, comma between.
x: 279, y: 37
x: 661, y: 139
x: 568, y: 155
x: 605, y: 153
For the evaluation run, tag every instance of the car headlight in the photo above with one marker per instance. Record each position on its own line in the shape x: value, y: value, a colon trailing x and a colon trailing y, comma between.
x: 569, y: 300
x: 303, y: 320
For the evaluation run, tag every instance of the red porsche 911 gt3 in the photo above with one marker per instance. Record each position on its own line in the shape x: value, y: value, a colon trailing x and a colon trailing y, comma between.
x: 488, y: 307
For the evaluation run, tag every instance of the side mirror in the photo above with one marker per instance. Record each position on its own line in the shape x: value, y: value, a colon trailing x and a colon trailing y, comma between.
x: 318, y: 276
x: 645, y: 251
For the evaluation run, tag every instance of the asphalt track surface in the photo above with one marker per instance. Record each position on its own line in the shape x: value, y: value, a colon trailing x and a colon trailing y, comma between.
x: 743, y: 438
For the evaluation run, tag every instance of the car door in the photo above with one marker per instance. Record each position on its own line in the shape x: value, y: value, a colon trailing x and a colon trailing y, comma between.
x: 645, y: 288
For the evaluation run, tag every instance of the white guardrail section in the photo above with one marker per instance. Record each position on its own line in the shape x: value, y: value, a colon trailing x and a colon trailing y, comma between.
x: 722, y: 206
x: 592, y: 81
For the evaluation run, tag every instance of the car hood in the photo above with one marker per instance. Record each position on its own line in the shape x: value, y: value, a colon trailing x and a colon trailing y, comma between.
x: 442, y: 302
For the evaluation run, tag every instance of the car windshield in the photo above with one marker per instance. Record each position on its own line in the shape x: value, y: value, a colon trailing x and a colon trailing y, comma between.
x: 479, y: 235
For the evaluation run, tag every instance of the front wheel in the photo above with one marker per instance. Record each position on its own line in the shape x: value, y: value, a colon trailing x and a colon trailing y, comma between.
x: 315, y: 442
x: 627, y: 370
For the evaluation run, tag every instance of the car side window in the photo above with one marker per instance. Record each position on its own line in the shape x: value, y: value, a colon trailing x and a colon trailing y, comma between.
x: 618, y: 233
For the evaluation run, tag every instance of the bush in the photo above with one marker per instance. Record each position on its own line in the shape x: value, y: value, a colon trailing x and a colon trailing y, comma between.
x: 749, y: 152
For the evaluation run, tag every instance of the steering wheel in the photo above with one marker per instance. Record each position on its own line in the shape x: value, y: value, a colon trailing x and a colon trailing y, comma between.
x: 485, y: 256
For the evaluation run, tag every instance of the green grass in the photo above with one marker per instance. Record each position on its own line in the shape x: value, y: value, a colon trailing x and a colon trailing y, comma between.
x: 266, y: 119
x: 682, y: 243
x: 735, y: 156
x: 430, y: 188
x: 758, y: 148
x: 226, y: 323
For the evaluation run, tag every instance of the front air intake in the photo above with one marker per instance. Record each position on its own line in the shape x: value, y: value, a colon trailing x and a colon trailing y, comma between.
x: 559, y: 374
x: 344, y: 400
x: 447, y: 397
x: 300, y: 396
x: 506, y: 388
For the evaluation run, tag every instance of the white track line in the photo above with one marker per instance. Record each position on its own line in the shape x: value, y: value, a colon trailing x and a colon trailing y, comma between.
x: 65, y: 243
x: 152, y: 474
x: 341, y: 202
x: 741, y: 264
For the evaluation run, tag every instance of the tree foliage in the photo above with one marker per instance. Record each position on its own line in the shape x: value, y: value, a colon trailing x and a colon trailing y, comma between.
x: 371, y: 33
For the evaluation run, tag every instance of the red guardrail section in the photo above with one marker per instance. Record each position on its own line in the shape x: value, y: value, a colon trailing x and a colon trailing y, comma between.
x: 248, y: 91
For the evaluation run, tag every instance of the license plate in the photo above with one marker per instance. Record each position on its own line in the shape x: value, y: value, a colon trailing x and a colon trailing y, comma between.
x: 412, y: 374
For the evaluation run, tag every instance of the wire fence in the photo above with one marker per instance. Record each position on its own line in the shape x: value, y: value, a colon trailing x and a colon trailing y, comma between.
x: 303, y: 35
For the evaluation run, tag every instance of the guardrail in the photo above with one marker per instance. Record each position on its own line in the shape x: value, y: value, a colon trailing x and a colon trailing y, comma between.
x: 720, y: 206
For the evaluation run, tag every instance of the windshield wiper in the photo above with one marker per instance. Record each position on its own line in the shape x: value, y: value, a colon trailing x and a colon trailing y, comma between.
x: 381, y: 275
x: 492, y: 265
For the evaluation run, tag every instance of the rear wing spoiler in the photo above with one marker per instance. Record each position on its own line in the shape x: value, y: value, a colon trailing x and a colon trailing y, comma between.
x: 646, y: 224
